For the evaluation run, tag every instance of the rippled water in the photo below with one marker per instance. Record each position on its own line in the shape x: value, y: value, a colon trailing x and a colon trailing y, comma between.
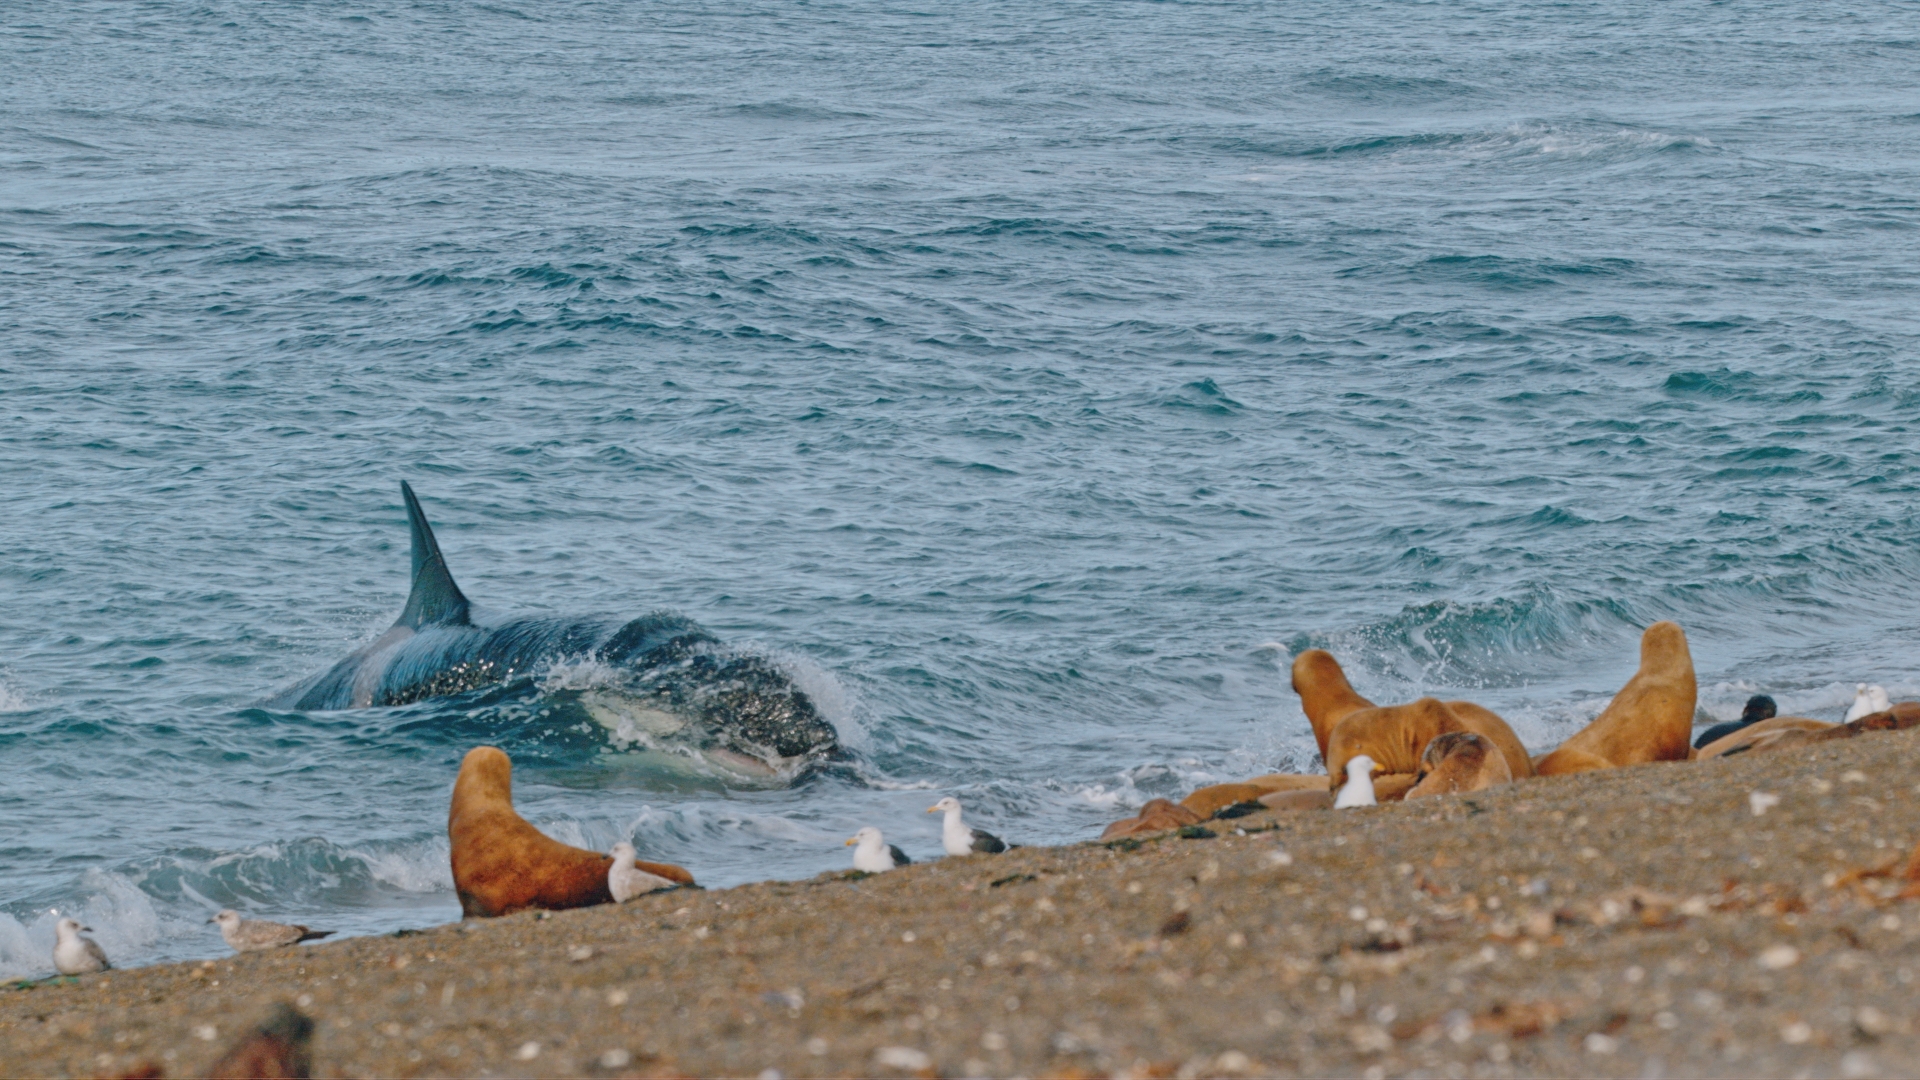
x: 1028, y: 379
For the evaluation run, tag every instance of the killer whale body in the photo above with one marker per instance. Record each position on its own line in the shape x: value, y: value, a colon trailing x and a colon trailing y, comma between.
x: 740, y: 705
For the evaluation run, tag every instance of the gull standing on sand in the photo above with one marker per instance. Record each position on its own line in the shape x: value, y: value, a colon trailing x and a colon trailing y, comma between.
x: 1358, y: 790
x: 252, y: 935
x: 874, y: 854
x: 958, y: 838
x: 1867, y: 700
x: 76, y: 955
x: 626, y: 881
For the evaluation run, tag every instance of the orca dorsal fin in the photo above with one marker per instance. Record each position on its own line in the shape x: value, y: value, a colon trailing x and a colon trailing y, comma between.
x: 435, y: 599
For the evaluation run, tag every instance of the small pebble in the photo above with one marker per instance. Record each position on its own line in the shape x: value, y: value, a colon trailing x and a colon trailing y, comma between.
x: 902, y: 1057
x: 1777, y: 957
x: 1762, y: 801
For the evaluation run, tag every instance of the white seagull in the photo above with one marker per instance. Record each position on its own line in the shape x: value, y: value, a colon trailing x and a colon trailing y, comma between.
x: 957, y: 837
x: 252, y: 935
x: 1358, y: 790
x: 76, y: 955
x: 1867, y: 700
x: 626, y: 881
x: 874, y: 854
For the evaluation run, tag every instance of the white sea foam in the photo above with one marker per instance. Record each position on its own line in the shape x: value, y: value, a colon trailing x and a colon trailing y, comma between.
x: 12, y: 699
x: 425, y: 867
x: 124, y: 921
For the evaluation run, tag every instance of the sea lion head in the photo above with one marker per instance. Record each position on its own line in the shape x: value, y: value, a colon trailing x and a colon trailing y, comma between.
x: 1325, y: 695
x: 1460, y: 761
x: 1759, y: 707
x: 486, y: 777
x: 1663, y: 647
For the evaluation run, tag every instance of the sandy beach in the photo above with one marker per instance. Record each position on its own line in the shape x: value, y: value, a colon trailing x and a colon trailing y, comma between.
x: 1637, y: 922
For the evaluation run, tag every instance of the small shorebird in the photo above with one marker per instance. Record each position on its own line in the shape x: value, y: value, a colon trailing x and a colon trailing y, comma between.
x: 76, y: 955
x: 957, y: 838
x: 874, y: 854
x: 252, y: 935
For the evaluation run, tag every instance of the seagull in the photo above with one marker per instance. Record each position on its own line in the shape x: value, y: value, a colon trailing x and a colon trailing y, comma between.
x: 874, y: 853
x: 1358, y: 790
x: 76, y: 955
x: 1867, y: 700
x: 957, y: 838
x: 626, y: 881
x: 252, y: 935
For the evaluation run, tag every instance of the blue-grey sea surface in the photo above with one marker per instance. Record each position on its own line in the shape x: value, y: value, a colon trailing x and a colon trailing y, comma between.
x: 1030, y: 379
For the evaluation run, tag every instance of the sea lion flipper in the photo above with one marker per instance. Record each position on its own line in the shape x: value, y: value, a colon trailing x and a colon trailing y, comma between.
x: 435, y: 599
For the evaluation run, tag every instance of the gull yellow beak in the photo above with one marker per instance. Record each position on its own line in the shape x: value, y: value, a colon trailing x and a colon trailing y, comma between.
x: 851, y: 840
x: 933, y: 809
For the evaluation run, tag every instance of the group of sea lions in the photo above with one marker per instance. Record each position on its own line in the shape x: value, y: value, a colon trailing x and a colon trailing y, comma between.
x: 502, y: 864
x: 1432, y: 747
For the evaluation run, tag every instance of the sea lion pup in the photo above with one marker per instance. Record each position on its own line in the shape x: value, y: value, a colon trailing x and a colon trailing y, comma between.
x: 1759, y: 735
x: 1156, y: 815
x: 1650, y: 719
x: 502, y: 865
x: 1395, y: 736
x: 1460, y: 761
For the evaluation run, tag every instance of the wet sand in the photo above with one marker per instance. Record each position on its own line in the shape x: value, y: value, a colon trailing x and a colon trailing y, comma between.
x: 1641, y: 921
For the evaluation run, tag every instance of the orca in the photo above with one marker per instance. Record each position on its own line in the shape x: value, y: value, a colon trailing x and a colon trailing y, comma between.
x: 664, y: 679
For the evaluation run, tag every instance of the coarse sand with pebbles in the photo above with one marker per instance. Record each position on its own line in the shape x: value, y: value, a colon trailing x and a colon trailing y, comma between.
x: 1633, y: 922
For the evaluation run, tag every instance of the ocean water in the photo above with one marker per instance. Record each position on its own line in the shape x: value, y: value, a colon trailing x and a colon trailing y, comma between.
x: 1029, y: 379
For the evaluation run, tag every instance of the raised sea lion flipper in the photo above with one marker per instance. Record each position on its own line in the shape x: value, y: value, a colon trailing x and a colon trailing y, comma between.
x: 435, y: 599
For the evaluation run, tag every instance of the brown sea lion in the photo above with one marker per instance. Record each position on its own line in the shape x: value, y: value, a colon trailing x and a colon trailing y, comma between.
x: 1460, y: 761
x: 1299, y: 799
x: 1325, y: 695
x: 1395, y: 736
x: 1758, y: 735
x: 1205, y: 801
x: 1650, y: 719
x: 1158, y: 814
x: 1904, y: 715
x: 502, y: 865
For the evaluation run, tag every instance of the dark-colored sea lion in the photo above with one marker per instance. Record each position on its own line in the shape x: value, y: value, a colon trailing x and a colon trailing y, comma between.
x: 1157, y: 815
x: 1759, y: 707
x: 1395, y: 736
x: 1650, y: 719
x: 1460, y: 761
x: 502, y: 865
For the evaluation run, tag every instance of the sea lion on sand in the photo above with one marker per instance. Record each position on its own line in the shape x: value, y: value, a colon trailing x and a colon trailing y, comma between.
x: 1759, y: 707
x: 1650, y: 719
x: 1325, y: 695
x: 1395, y: 736
x: 1460, y: 761
x: 1904, y: 715
x: 1157, y: 815
x: 1758, y: 735
x: 502, y: 865
x: 1300, y: 800
x: 1209, y: 800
